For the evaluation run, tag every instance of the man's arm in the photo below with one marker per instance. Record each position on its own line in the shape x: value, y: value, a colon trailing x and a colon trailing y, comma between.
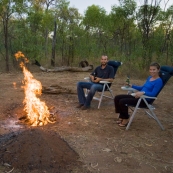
x: 101, y: 79
x: 97, y: 79
x: 91, y: 78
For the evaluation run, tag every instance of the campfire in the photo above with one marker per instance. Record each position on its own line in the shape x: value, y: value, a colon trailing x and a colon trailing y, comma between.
x: 37, y: 112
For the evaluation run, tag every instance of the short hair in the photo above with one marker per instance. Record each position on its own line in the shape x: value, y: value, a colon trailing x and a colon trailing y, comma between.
x: 155, y: 64
x: 105, y: 56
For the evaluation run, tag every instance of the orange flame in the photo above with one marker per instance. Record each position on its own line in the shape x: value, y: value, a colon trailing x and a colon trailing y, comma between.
x: 37, y: 111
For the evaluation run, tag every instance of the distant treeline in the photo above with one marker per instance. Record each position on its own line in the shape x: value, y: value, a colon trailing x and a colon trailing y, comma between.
x: 56, y: 34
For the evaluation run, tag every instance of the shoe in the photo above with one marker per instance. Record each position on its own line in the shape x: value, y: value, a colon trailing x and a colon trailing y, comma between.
x: 84, y: 108
x: 119, y: 121
x: 123, y: 125
x: 79, y: 105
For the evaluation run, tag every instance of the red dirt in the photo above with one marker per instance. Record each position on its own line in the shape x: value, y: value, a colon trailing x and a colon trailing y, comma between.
x: 82, y: 141
x: 38, y: 149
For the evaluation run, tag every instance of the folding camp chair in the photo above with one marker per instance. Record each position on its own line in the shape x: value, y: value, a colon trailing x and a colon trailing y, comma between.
x: 106, y: 85
x: 165, y: 73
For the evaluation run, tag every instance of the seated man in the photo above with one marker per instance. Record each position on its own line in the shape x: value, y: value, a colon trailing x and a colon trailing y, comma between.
x: 101, y: 73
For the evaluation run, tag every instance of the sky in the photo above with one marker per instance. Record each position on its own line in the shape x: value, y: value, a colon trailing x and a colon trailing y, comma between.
x: 82, y: 5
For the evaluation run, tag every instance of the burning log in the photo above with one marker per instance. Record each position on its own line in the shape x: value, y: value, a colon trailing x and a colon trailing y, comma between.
x: 66, y: 68
x: 25, y: 120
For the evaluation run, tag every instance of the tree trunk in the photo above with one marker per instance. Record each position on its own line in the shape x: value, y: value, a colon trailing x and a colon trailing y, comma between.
x: 54, y: 44
x: 46, y: 43
x: 5, y: 24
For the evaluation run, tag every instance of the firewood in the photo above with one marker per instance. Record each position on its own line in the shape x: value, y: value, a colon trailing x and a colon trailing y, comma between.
x: 66, y: 68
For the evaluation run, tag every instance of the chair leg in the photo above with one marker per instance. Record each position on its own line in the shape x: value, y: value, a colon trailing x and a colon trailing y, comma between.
x: 133, y: 115
x: 157, y: 120
x: 86, y: 92
x: 108, y: 89
x: 101, y: 94
x: 111, y: 92
x: 100, y: 100
x: 153, y: 115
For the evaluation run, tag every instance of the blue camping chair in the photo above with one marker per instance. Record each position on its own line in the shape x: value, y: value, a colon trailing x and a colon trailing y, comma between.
x: 165, y: 73
x: 106, y: 85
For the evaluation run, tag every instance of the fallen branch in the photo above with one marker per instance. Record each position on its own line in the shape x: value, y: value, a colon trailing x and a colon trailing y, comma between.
x: 66, y: 68
x: 56, y: 89
x: 10, y: 170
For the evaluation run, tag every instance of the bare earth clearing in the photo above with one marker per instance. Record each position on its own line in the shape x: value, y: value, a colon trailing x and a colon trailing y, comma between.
x: 87, y: 141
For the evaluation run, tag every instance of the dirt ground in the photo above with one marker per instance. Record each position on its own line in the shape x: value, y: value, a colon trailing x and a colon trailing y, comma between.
x: 82, y: 141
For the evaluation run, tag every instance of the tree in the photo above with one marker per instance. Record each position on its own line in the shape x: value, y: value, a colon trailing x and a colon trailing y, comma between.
x: 47, y: 23
x: 68, y: 20
x: 123, y: 25
x: 5, y: 13
x: 94, y: 21
x: 166, y: 19
x: 146, y: 18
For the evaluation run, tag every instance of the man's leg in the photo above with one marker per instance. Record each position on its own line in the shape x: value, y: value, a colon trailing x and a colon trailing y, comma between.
x: 80, y: 91
x: 93, y: 89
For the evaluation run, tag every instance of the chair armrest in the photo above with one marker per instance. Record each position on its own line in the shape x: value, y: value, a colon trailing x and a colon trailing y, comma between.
x: 144, y: 96
x: 87, y: 78
x: 128, y: 89
x: 104, y: 81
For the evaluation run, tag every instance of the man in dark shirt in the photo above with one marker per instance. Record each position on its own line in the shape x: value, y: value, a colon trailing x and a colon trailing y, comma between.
x: 101, y: 73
